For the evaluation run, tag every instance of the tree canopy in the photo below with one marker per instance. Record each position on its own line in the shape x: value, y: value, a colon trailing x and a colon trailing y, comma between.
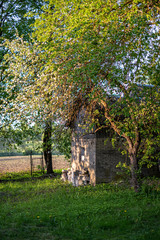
x: 102, y: 52
x: 13, y: 21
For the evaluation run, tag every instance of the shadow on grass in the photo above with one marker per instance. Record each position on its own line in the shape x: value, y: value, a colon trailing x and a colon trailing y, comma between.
x: 26, y: 176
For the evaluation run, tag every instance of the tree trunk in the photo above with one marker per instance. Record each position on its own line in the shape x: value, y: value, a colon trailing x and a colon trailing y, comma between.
x: 134, y: 169
x: 47, y: 147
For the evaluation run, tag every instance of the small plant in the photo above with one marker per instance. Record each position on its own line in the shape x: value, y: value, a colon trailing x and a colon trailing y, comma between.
x: 124, y: 169
x: 42, y: 169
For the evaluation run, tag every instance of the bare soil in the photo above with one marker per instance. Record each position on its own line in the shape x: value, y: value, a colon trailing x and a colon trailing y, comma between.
x: 22, y: 163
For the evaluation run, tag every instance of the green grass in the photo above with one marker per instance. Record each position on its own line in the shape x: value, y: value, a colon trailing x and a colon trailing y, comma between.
x: 26, y: 175
x: 51, y: 209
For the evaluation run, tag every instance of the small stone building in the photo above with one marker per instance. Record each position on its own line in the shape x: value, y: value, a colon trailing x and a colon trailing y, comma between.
x: 94, y: 159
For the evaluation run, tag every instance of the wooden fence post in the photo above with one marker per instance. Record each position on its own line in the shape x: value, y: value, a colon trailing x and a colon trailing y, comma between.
x: 31, y: 162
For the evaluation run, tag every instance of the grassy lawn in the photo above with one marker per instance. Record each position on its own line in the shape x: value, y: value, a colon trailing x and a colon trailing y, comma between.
x: 49, y: 209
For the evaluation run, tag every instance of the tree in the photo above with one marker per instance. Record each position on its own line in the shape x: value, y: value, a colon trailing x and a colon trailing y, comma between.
x: 47, y: 146
x: 106, y: 48
x: 102, y: 52
x: 32, y: 102
x: 12, y: 19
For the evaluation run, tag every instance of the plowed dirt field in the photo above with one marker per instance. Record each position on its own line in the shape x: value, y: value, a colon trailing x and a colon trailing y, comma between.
x: 22, y: 163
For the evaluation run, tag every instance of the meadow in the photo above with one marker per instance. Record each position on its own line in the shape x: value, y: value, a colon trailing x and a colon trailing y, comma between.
x: 49, y: 209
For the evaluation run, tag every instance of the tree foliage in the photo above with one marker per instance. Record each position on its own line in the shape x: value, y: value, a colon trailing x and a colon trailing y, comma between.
x: 61, y: 139
x: 12, y: 20
x: 12, y: 17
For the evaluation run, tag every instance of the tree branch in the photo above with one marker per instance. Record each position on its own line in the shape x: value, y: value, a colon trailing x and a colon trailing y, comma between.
x: 113, y: 125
